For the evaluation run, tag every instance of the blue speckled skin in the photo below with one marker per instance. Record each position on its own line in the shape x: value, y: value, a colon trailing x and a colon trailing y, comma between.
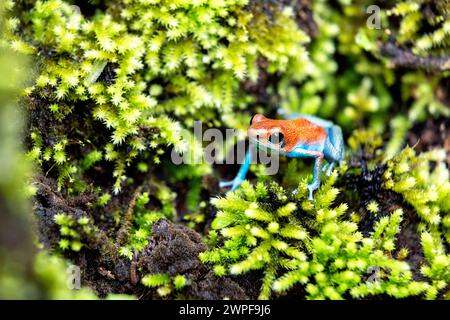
x: 331, y: 149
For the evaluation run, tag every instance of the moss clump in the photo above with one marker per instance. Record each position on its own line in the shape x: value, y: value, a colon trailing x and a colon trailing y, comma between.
x: 258, y: 238
x: 424, y: 182
x: 141, y: 224
x: 164, y: 283
x: 142, y: 70
x: 413, y: 22
x: 70, y: 231
x: 313, y: 245
x: 318, y: 248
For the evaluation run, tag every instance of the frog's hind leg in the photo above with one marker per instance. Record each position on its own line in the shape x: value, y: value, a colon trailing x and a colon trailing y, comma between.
x: 338, y: 143
x: 325, y: 166
x: 334, y: 147
x: 328, y: 168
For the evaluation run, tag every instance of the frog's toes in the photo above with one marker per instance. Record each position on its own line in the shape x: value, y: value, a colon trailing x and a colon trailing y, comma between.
x: 325, y: 167
x: 330, y: 169
x: 311, y: 197
x: 310, y: 194
x: 235, y: 183
x: 311, y: 188
x: 223, y: 183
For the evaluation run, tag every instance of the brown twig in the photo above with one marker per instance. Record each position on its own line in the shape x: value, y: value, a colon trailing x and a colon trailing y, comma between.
x: 134, y: 277
x: 405, y: 58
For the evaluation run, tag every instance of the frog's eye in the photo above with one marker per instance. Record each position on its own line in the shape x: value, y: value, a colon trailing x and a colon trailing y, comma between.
x: 277, y: 138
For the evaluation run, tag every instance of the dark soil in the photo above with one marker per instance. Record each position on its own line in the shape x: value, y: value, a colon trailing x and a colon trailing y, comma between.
x: 173, y: 249
x: 364, y: 186
x: 435, y: 133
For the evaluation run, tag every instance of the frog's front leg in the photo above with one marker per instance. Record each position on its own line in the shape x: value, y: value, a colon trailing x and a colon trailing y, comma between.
x: 318, y: 161
x: 315, y: 183
x: 240, y: 177
x: 325, y: 166
x: 328, y: 168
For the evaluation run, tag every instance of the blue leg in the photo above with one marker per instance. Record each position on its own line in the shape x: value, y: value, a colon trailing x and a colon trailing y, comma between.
x: 334, y: 145
x: 224, y: 184
x: 315, y: 183
x: 325, y: 167
x: 318, y: 160
x: 240, y: 177
x: 330, y: 168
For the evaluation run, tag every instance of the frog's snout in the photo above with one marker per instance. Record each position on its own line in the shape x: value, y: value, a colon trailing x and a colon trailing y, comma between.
x: 257, y: 118
x: 253, y: 134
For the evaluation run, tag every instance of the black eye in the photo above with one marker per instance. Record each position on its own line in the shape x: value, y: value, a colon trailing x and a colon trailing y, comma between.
x: 277, y: 138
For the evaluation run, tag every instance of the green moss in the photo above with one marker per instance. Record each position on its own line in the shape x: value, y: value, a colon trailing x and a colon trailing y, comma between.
x: 143, y: 219
x: 319, y: 246
x: 73, y: 230
x: 199, y: 51
x: 363, y: 91
x: 258, y: 238
x: 426, y: 189
x: 411, y: 25
x: 165, y: 284
x: 52, y: 273
x: 296, y: 242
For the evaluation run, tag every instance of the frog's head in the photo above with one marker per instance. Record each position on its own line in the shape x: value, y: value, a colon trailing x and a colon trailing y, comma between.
x: 270, y: 134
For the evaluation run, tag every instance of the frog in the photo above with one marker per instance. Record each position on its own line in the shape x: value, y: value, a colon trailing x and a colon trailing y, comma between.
x: 295, y: 136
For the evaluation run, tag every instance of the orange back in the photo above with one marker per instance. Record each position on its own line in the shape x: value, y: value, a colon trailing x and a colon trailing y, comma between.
x: 295, y: 131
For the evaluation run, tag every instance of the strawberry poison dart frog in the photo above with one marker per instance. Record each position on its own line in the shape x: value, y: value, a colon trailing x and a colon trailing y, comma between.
x: 296, y: 137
